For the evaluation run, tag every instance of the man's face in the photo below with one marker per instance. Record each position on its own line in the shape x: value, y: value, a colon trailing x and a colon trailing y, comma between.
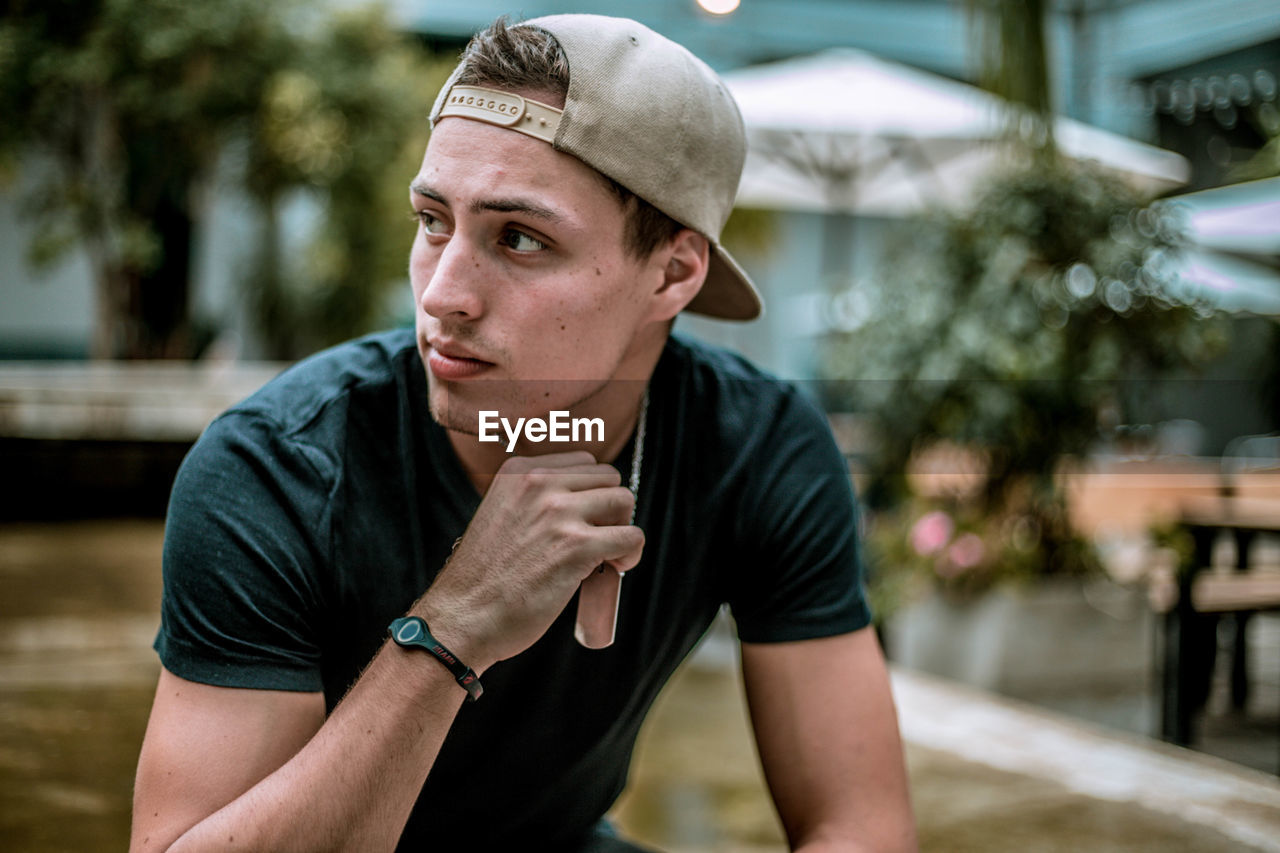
x: 526, y: 299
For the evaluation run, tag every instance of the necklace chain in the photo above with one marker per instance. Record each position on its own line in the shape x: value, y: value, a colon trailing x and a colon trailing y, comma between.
x: 637, y: 454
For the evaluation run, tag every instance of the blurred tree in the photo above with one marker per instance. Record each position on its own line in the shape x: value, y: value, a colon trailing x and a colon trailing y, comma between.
x: 348, y: 122
x: 137, y: 101
x: 750, y: 232
x: 1011, y: 61
x: 1015, y: 330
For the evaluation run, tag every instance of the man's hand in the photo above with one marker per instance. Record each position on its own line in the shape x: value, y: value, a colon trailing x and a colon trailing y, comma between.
x: 545, y: 524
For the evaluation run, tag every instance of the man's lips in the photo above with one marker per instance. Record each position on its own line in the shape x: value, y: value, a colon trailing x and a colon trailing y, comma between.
x: 450, y: 362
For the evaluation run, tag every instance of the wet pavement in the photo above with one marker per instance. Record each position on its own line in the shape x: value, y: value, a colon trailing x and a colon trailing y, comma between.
x: 78, y: 613
x: 987, y: 774
x: 77, y: 617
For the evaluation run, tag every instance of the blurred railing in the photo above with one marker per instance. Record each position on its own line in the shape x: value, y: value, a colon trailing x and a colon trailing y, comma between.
x: 121, y: 401
x: 100, y: 440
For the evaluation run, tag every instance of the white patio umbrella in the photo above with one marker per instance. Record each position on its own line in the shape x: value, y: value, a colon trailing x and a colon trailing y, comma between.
x: 1236, y: 253
x: 844, y: 131
x: 1240, y: 218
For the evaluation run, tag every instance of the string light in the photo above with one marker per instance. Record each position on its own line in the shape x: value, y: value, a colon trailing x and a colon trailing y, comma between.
x: 718, y: 7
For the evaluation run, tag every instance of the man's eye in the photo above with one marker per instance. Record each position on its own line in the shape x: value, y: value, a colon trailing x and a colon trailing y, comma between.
x: 521, y: 242
x: 431, y: 224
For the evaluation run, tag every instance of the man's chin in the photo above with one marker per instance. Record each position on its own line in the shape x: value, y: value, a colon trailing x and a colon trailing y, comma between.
x: 449, y: 413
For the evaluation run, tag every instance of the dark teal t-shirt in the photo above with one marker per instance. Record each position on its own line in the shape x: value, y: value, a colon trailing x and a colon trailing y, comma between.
x: 312, y: 514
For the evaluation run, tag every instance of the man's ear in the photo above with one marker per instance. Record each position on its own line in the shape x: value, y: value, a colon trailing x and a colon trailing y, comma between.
x: 684, y: 269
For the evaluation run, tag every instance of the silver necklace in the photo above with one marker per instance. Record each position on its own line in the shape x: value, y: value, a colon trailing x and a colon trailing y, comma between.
x: 637, y: 454
x: 599, y: 596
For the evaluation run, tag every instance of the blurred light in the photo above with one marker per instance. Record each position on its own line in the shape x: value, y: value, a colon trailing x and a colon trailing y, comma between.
x: 1218, y: 149
x: 719, y: 7
x: 1263, y: 82
x: 1117, y: 297
x: 1200, y: 93
x: 1054, y: 317
x: 1162, y: 96
x: 1081, y: 281
x: 1221, y: 96
x: 1269, y: 118
x: 1239, y: 88
x: 849, y: 310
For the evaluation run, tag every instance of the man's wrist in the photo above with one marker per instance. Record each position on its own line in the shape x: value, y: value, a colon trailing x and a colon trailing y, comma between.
x: 412, y: 632
x: 449, y: 626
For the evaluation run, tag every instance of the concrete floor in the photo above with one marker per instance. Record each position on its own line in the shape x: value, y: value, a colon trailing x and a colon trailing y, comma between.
x: 76, y: 676
x: 987, y: 774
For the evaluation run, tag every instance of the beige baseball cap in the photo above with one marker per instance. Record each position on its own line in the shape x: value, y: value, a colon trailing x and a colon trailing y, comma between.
x: 647, y: 113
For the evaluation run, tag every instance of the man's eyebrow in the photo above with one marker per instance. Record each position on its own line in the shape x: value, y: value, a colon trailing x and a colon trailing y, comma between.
x: 516, y: 205
x: 493, y: 205
x: 420, y: 188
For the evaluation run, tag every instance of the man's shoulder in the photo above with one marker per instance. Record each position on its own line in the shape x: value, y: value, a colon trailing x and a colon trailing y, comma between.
x: 714, y: 378
x: 708, y: 362
x: 303, y: 394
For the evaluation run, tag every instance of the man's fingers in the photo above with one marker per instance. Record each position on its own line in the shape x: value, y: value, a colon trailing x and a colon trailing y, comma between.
x: 619, y: 546
x: 572, y: 471
x: 606, y: 506
x: 523, y: 464
x: 625, y: 543
x: 579, y: 478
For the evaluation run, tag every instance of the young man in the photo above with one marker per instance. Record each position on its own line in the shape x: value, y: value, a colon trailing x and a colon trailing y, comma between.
x: 578, y: 174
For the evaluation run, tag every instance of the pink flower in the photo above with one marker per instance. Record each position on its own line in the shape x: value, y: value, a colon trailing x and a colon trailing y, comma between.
x: 931, y: 532
x: 967, y: 551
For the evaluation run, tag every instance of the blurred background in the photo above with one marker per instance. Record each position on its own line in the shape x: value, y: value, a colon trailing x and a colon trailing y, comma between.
x: 1026, y: 254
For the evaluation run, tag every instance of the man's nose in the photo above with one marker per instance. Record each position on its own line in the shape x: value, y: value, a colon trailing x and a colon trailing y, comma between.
x: 454, y: 289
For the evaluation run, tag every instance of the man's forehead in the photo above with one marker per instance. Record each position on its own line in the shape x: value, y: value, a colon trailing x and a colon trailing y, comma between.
x: 484, y: 148
x: 474, y: 157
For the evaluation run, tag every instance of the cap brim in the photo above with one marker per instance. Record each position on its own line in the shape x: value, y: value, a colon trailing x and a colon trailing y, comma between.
x: 728, y: 293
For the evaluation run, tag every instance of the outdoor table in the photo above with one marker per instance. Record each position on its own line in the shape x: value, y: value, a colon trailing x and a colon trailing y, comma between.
x: 1190, y: 639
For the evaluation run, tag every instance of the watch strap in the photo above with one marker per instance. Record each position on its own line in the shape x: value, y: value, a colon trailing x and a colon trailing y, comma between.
x: 412, y: 632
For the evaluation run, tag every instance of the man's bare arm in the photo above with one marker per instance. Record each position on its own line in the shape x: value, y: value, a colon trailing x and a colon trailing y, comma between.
x: 238, y: 769
x: 207, y: 745
x: 263, y: 770
x: 828, y: 738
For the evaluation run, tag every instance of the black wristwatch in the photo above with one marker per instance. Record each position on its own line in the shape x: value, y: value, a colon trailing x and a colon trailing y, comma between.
x: 411, y: 632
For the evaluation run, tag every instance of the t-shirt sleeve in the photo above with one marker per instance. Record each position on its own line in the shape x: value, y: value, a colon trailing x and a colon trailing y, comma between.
x: 799, y: 571
x: 244, y: 535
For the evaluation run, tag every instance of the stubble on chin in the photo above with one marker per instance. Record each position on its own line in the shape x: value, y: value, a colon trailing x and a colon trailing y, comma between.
x: 447, y: 412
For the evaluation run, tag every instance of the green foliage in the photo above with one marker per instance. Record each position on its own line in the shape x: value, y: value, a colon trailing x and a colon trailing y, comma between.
x: 137, y: 101
x: 1265, y: 163
x: 1013, y: 328
x: 750, y: 232
x: 348, y: 122
x: 1014, y: 333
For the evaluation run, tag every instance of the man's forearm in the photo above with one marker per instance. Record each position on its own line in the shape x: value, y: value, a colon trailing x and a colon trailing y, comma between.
x: 354, y: 784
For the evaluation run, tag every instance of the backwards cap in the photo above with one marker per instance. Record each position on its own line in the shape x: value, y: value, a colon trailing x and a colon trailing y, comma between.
x: 647, y: 113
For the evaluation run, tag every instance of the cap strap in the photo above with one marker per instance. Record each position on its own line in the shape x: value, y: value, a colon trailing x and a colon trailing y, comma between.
x: 504, y: 109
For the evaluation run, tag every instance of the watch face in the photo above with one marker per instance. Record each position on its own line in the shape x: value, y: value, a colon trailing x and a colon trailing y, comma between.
x: 408, y: 631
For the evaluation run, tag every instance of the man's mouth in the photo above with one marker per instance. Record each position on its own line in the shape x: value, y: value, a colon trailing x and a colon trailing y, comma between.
x: 451, y: 362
